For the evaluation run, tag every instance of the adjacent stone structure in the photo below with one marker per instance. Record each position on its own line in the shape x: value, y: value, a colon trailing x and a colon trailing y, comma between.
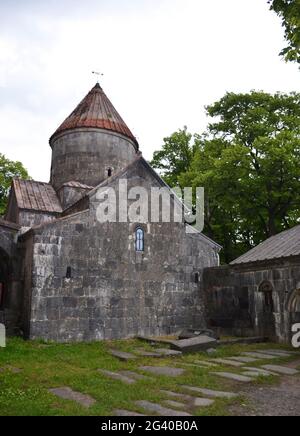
x: 259, y: 293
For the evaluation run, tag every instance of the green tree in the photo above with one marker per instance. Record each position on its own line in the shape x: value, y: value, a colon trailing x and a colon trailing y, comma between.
x: 175, y: 157
x: 8, y: 171
x: 248, y: 161
x: 289, y: 12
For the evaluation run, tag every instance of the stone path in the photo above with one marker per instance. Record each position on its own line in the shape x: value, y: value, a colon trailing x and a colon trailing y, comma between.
x: 118, y: 376
x: 145, y: 353
x: 134, y: 375
x: 168, y: 353
x: 234, y: 377
x: 259, y: 355
x: 227, y: 362
x: 68, y: 394
x: 163, y: 370
x: 194, y: 401
x: 160, y: 410
x: 122, y: 355
x: 209, y: 392
x: 244, y: 359
x: 281, y: 369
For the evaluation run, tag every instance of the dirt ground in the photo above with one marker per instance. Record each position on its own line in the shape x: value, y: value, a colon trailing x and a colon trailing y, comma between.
x: 279, y: 400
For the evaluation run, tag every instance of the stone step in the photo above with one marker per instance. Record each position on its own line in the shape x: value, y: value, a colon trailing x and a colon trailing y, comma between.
x: 159, y: 410
x: 122, y: 355
x: 205, y: 363
x: 146, y: 353
x: 163, y: 370
x: 194, y: 401
x: 281, y: 369
x: 174, y: 404
x: 209, y: 392
x: 117, y: 376
x: 259, y: 371
x: 227, y: 362
x: 67, y: 393
x: 258, y: 355
x: 278, y: 353
x: 135, y: 376
x: 244, y: 359
x: 122, y: 412
x: 168, y: 353
x: 234, y: 377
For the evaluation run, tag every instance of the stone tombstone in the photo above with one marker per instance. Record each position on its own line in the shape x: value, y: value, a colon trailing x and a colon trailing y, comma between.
x: 2, y: 336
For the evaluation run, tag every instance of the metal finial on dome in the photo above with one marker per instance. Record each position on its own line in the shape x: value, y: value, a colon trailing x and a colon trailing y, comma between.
x: 96, y: 73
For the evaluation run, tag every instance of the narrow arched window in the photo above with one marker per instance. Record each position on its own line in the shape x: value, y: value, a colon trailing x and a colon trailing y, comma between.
x: 139, y: 239
x: 109, y: 172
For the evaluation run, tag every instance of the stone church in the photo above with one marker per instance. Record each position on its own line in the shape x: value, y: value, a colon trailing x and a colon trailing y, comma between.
x: 65, y: 276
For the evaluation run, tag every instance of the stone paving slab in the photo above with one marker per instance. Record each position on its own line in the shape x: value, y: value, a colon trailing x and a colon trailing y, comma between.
x: 234, y: 377
x: 122, y: 355
x: 68, y: 394
x: 281, y: 369
x: 145, y: 353
x: 122, y: 412
x: 117, y: 376
x: 259, y: 370
x: 228, y: 362
x: 255, y: 374
x: 244, y: 359
x: 175, y: 404
x: 209, y: 392
x: 163, y: 370
x: 134, y: 375
x: 278, y: 353
x: 160, y: 410
x: 196, y: 402
x: 205, y: 363
x: 168, y: 353
x: 260, y: 356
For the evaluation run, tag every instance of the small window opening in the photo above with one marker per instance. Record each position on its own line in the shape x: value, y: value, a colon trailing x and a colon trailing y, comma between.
x: 139, y: 240
x: 109, y: 172
x: 69, y: 273
x: 197, y: 278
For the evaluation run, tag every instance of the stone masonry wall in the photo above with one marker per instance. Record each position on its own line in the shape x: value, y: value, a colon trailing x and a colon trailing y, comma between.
x: 235, y: 303
x: 89, y: 283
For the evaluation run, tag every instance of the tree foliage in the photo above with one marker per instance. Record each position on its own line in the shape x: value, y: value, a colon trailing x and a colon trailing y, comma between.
x: 289, y: 12
x: 8, y: 171
x: 248, y: 161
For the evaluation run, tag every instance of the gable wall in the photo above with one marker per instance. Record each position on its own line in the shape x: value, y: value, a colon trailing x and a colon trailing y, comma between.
x: 115, y: 292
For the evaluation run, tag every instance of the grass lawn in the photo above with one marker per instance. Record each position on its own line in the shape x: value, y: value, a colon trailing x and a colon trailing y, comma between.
x: 48, y: 365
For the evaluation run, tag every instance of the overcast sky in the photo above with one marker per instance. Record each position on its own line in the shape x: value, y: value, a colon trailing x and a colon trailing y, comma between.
x: 163, y: 61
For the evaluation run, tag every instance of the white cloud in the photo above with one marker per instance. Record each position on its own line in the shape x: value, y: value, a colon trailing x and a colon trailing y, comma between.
x: 163, y: 61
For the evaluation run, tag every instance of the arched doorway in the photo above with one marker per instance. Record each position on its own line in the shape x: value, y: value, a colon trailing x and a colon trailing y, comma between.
x: 294, y: 307
x: 266, y: 293
x: 4, y: 277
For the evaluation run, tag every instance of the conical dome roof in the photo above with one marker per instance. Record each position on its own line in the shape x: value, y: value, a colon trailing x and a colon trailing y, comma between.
x: 96, y: 111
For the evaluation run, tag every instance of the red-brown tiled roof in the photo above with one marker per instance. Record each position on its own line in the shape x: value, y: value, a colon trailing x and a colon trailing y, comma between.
x: 96, y: 111
x: 37, y: 196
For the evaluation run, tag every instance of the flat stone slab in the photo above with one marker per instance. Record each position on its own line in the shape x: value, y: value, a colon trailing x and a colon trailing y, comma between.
x: 205, y: 363
x: 122, y: 412
x: 209, y: 392
x: 228, y: 362
x: 68, y: 394
x: 160, y: 410
x: 163, y: 370
x: 168, y: 353
x: 122, y: 355
x: 134, y: 375
x: 281, y: 369
x: 145, y: 353
x: 194, y: 401
x: 259, y: 371
x: 258, y: 355
x: 244, y: 359
x: 200, y: 343
x: 117, y: 376
x: 234, y: 377
x: 175, y: 404
x: 278, y: 353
